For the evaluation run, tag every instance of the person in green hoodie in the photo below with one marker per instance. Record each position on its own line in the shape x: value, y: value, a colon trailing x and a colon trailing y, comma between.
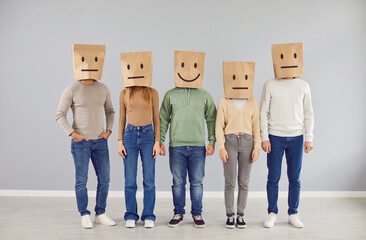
x: 186, y: 107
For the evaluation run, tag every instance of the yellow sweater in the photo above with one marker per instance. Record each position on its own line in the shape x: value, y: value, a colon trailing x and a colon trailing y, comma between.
x: 231, y: 120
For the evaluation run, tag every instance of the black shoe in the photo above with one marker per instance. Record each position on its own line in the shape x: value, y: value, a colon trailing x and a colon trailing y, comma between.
x: 198, y: 221
x: 230, y: 222
x: 240, y: 222
x: 176, y: 220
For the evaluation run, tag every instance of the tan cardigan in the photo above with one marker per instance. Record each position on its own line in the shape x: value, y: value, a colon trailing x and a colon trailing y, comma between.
x: 138, y: 112
x: 231, y: 120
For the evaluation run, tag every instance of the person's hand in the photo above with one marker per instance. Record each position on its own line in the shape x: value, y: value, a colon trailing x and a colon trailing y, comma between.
x: 255, y: 154
x: 308, y: 146
x: 162, y: 150
x: 105, y: 135
x: 78, y: 137
x: 210, y: 149
x: 223, y: 155
x: 156, y: 149
x: 121, y: 149
x: 266, y: 146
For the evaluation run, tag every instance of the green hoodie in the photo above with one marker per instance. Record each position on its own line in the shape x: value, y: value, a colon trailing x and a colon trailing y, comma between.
x: 185, y: 109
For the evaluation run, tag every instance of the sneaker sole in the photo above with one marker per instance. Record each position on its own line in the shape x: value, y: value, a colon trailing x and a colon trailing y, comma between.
x: 174, y: 225
x: 241, y: 226
x: 200, y: 226
x: 230, y: 226
x: 84, y: 227
x: 295, y: 226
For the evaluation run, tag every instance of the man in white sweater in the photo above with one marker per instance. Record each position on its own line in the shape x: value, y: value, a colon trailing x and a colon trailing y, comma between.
x: 285, y: 113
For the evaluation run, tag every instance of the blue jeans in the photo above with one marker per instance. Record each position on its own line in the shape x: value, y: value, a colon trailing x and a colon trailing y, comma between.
x: 97, y: 151
x: 139, y: 139
x: 293, y: 148
x: 189, y: 159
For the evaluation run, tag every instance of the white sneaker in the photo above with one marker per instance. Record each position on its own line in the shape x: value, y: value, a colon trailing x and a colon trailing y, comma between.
x: 149, y: 223
x: 104, y: 219
x: 294, y: 220
x: 130, y: 223
x: 86, y: 221
x: 270, y: 221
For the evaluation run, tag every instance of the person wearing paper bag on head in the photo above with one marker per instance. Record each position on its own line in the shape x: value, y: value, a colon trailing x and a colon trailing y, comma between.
x: 185, y: 108
x: 89, y: 100
x: 237, y: 135
x: 285, y: 112
x: 140, y: 104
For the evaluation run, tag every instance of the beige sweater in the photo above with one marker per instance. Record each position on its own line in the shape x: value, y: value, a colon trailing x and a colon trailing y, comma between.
x: 139, y: 113
x: 231, y: 120
x: 89, y: 104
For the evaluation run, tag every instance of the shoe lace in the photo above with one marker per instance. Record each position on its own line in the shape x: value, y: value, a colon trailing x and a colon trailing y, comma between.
x: 240, y: 219
x: 198, y: 217
x: 231, y: 218
x: 176, y: 217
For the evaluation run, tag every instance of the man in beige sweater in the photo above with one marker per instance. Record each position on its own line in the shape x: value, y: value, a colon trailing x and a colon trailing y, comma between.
x: 89, y: 100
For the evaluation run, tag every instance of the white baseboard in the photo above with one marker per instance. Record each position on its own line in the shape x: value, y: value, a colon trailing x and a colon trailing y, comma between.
x: 168, y: 194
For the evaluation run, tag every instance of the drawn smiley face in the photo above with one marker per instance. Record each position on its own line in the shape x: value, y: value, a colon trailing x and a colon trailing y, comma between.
x: 238, y: 79
x: 88, y: 61
x: 137, y: 68
x: 188, y: 69
x: 287, y: 60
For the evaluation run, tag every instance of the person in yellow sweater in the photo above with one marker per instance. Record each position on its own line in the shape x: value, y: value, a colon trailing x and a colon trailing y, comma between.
x: 237, y: 135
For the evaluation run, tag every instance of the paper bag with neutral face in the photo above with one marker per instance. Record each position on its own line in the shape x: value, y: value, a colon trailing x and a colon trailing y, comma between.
x: 287, y: 60
x: 188, y: 69
x: 88, y: 61
x: 137, y: 68
x: 238, y: 79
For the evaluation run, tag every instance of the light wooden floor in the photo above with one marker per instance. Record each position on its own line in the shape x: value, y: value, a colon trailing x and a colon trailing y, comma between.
x: 57, y: 218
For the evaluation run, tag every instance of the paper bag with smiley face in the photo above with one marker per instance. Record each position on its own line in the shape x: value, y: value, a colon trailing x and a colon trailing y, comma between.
x: 88, y: 61
x: 238, y: 79
x: 137, y: 68
x: 188, y: 69
x: 287, y: 60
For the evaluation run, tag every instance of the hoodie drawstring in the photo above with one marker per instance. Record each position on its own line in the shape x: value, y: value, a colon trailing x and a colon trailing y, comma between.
x: 187, y: 96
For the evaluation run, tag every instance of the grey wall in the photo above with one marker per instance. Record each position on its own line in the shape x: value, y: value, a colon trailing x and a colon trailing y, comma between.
x: 36, y: 66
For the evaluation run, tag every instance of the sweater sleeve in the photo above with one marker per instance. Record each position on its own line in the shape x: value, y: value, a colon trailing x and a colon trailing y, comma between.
x: 62, y: 109
x: 122, y: 115
x: 220, y: 125
x: 264, y: 112
x: 210, y: 116
x: 308, y: 115
x: 255, y: 126
x: 155, y: 112
x: 109, y: 111
x: 164, y: 115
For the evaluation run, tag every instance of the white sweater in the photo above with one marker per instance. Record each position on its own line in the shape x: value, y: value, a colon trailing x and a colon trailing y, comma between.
x: 286, y: 109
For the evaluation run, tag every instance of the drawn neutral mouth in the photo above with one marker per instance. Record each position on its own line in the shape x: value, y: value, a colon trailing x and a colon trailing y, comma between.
x: 89, y: 70
x: 240, y: 87
x: 194, y: 79
x: 288, y: 66
x: 136, y: 77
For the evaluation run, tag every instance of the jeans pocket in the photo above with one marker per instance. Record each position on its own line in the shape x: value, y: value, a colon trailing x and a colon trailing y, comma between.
x: 148, y: 130
x: 248, y: 137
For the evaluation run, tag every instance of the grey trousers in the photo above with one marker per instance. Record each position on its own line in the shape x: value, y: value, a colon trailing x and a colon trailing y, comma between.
x: 239, y: 149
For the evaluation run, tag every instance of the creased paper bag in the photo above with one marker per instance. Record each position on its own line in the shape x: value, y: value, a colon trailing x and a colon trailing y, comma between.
x: 88, y: 61
x: 287, y: 60
x: 188, y: 69
x: 238, y: 79
x: 137, y: 68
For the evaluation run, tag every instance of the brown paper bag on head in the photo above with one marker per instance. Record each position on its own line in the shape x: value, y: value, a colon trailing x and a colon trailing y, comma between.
x: 188, y: 69
x: 238, y: 79
x: 137, y: 68
x: 88, y: 61
x: 287, y: 60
